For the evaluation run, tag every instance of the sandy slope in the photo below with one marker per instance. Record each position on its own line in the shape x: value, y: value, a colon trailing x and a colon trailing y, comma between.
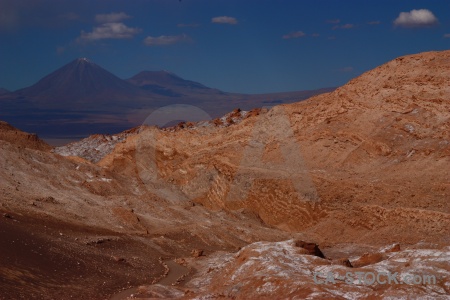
x: 360, y: 162
x: 69, y: 227
x: 354, y: 170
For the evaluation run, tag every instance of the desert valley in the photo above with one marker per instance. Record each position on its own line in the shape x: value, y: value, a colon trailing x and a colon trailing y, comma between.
x: 262, y: 203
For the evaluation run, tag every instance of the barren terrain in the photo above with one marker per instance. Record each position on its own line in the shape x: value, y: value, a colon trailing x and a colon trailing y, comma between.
x: 220, y: 209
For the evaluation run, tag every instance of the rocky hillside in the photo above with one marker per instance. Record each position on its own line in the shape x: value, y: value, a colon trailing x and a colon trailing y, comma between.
x: 365, y: 164
x: 251, y: 205
x: 264, y: 269
x: 65, y: 221
x: 377, y: 153
x: 17, y: 137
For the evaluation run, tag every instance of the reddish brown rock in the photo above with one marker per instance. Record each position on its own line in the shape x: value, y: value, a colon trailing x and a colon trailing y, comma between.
x: 23, y: 139
x: 343, y: 262
x: 368, y: 259
x: 312, y: 248
x: 393, y: 248
x: 197, y: 253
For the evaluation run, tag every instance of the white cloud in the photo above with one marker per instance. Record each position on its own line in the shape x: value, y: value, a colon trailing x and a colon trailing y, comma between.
x: 294, y: 35
x: 112, y: 17
x: 447, y: 35
x: 188, y: 25
x: 335, y: 21
x: 224, y: 20
x: 109, y: 31
x: 165, y: 40
x: 345, y: 26
x: 416, y: 18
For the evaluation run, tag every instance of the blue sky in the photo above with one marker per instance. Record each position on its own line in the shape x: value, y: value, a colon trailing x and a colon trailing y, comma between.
x: 248, y: 46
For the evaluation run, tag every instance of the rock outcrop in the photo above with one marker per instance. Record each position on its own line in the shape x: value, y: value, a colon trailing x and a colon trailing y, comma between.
x: 23, y: 139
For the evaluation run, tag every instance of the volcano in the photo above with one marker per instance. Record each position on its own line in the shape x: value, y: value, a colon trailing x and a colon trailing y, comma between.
x: 80, y: 82
x: 169, y: 84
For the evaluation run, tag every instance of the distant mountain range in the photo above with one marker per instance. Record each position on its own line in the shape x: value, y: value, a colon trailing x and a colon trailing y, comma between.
x: 169, y: 84
x: 82, y: 98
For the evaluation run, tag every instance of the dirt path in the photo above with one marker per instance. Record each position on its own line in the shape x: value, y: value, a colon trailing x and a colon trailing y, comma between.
x: 175, y: 272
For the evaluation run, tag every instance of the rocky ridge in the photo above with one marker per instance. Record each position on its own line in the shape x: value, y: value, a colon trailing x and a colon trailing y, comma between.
x: 23, y: 139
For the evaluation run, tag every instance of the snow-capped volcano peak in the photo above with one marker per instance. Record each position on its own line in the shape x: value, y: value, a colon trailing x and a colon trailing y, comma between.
x: 80, y: 80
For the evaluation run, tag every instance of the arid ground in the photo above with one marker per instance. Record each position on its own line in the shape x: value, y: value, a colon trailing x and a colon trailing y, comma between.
x: 251, y: 206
